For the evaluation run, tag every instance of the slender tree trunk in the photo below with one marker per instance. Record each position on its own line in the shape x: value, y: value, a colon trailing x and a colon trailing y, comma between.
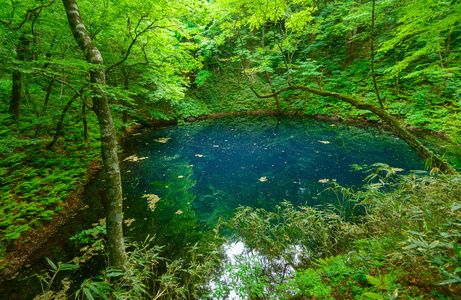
x: 282, y: 38
x: 60, y: 123
x: 443, y: 68
x: 15, y: 103
x: 277, y: 101
x: 126, y: 85
x: 373, y: 55
x: 397, y: 75
x: 354, y: 33
x: 85, y: 123
x: 114, y: 214
x: 45, y: 106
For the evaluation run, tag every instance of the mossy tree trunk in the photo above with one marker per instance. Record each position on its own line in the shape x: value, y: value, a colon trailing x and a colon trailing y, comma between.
x: 114, y: 215
x: 425, y: 154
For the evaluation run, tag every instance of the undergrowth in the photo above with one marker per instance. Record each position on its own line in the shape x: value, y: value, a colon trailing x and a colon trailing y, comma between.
x: 34, y: 182
x: 405, y: 244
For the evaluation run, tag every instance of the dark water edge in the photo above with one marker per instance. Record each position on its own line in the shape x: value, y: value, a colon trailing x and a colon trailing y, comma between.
x: 60, y: 248
x: 25, y: 285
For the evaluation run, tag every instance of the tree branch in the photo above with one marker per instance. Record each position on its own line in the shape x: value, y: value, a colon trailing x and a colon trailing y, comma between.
x: 424, y: 153
x: 26, y: 16
x: 133, y: 41
x: 70, y: 86
x: 59, y: 126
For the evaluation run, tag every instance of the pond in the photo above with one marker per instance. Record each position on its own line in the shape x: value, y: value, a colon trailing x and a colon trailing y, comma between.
x: 180, y: 181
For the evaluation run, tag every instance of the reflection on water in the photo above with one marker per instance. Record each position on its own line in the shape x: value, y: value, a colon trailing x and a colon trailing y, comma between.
x: 180, y: 180
x: 244, y: 267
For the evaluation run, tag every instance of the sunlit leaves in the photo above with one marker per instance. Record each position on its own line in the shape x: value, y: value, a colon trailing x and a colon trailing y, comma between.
x: 428, y: 25
x: 254, y: 14
x: 299, y: 20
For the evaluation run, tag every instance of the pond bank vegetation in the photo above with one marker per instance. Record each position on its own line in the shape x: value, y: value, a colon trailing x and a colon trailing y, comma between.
x: 403, y: 244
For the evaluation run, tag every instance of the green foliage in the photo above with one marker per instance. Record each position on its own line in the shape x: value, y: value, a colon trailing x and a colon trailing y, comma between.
x: 202, y: 76
x: 153, y: 49
x: 35, y: 182
x: 280, y: 231
x: 246, y: 279
x: 147, y: 274
x: 416, y: 223
x: 90, y: 235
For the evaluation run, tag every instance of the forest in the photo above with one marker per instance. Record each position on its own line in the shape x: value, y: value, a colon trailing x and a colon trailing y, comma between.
x: 78, y: 77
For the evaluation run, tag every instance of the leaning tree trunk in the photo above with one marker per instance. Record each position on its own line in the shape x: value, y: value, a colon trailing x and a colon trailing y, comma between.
x: 424, y: 153
x: 117, y: 254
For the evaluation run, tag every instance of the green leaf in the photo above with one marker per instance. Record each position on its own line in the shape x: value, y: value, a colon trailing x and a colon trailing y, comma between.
x: 53, y: 266
x: 88, y: 294
x: 372, y: 295
x: 434, y: 244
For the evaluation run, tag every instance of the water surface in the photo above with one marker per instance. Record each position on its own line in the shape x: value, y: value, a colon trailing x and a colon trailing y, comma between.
x: 180, y: 180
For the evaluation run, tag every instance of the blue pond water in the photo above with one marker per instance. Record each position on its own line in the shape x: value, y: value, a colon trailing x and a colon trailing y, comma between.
x: 179, y: 180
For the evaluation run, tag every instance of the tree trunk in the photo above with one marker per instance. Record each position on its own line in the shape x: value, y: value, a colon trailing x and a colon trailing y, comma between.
x: 45, y: 106
x: 114, y: 215
x: 15, y: 103
x: 85, y: 123
x: 126, y: 85
x: 372, y: 41
x: 277, y: 101
x: 60, y: 124
x: 354, y: 33
x: 425, y: 154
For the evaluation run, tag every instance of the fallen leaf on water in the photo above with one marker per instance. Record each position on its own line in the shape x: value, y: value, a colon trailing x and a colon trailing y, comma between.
x: 134, y: 158
x: 397, y: 170
x: 262, y: 179
x: 128, y: 221
x: 151, y: 200
x: 324, y: 142
x: 199, y: 155
x: 162, y: 140
x: 178, y: 212
x: 324, y: 180
x: 180, y: 176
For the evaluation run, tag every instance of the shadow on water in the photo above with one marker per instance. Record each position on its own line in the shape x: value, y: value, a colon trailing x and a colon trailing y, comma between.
x: 180, y: 181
